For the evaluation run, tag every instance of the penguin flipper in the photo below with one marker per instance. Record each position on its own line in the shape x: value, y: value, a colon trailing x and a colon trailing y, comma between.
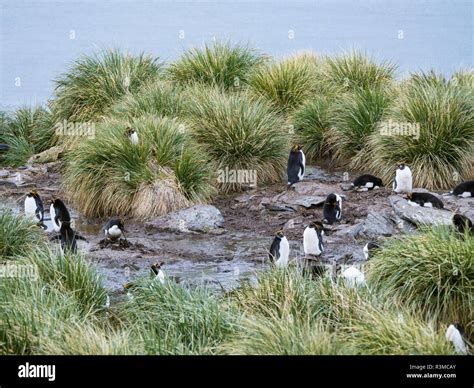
x: 79, y: 237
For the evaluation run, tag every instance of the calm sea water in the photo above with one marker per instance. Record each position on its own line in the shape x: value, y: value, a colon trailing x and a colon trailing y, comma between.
x: 39, y: 39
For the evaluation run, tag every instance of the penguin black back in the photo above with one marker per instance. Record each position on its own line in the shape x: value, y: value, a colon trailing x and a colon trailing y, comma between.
x: 60, y: 209
x: 331, y: 209
x: 296, y: 165
x: 365, y: 179
x: 423, y: 199
x: 463, y: 188
x: 275, y: 247
x: 463, y: 224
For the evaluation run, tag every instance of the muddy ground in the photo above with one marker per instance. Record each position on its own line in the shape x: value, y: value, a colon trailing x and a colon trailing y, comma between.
x: 222, y: 260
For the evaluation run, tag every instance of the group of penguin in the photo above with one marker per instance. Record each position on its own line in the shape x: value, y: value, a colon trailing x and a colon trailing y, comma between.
x: 63, y: 223
x: 313, y: 244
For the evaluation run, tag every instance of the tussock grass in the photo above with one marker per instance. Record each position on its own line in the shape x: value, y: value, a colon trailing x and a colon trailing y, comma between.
x: 431, y: 273
x: 172, y: 319
x: 238, y: 134
x: 165, y: 172
x: 28, y: 131
x: 442, y: 154
x: 221, y: 64
x: 159, y: 98
x: 19, y: 237
x: 288, y: 83
x: 355, y: 117
x: 356, y: 70
x: 312, y: 122
x: 94, y: 83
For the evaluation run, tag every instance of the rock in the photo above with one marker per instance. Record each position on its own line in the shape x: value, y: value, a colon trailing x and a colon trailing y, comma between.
x: 4, y: 173
x: 50, y: 155
x: 376, y: 224
x: 198, y: 218
x: 418, y: 215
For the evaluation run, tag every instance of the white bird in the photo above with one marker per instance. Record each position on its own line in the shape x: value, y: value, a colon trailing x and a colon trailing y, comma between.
x: 353, y: 277
x: 280, y: 250
x: 313, y: 239
x: 403, y: 182
x: 159, y: 274
x: 132, y: 135
x: 455, y: 336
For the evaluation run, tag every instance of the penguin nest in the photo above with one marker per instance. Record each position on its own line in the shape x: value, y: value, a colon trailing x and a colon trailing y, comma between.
x: 162, y: 196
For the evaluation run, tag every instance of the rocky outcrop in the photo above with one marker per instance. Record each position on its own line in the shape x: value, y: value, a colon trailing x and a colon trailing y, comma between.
x: 418, y: 215
x: 376, y: 224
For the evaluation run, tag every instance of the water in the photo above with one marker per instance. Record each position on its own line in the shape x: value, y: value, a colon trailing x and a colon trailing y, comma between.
x: 39, y: 39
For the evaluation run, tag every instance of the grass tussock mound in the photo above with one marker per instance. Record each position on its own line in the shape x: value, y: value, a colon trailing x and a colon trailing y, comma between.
x: 108, y: 175
x: 431, y: 273
x: 220, y: 64
x: 238, y: 134
x: 439, y: 153
x: 94, y: 83
x: 27, y: 132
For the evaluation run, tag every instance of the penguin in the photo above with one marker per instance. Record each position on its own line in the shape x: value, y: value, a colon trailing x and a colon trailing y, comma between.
x: 370, y: 246
x: 158, y: 272
x: 313, y: 239
x: 353, y: 277
x: 403, y: 181
x: 67, y: 235
x: 332, y: 209
x: 52, y: 213
x: 465, y: 189
x: 34, y: 208
x: 129, y: 288
x: 367, y: 182
x: 132, y: 135
x: 4, y: 147
x: 280, y: 250
x: 425, y: 200
x: 114, y: 228
x: 462, y: 223
x: 296, y: 165
x: 454, y: 334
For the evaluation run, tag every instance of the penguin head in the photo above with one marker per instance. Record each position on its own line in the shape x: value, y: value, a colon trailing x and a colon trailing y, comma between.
x: 279, y: 233
x: 296, y: 148
x: 317, y: 225
x: 378, y: 182
x: 128, y: 286
x: 121, y: 223
x: 129, y: 131
x: 459, y: 327
x: 331, y: 200
x: 409, y: 196
x: 156, y: 267
x: 401, y: 166
x: 33, y: 194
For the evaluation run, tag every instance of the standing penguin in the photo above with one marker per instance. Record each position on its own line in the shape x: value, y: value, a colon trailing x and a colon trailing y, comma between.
x: 132, y: 135
x: 34, y: 208
x: 114, y: 228
x: 158, y: 272
x: 465, y: 189
x: 403, y: 182
x: 62, y: 219
x: 367, y: 182
x: 280, y: 250
x: 425, y: 200
x: 296, y: 165
x: 454, y: 334
x: 369, y: 247
x: 332, y: 209
x: 313, y: 239
x: 52, y: 212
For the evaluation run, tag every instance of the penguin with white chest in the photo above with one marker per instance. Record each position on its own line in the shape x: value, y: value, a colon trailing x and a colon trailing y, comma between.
x: 158, y: 272
x: 454, y: 334
x: 313, y: 239
x: 463, y: 224
x: 332, y: 209
x: 34, y: 208
x: 424, y: 200
x: 403, y: 182
x: 367, y: 182
x: 280, y: 250
x: 465, y: 189
x: 370, y: 247
x: 296, y: 165
x: 114, y: 229
x: 132, y: 135
x: 62, y: 219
